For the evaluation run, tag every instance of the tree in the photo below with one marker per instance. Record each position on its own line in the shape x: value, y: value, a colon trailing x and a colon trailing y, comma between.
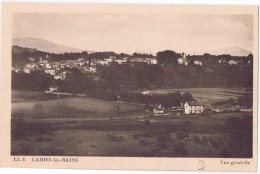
x: 178, y: 98
x: 167, y: 57
x: 187, y: 97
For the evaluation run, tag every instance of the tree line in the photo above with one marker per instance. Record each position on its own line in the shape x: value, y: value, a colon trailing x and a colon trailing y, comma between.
x: 169, y: 100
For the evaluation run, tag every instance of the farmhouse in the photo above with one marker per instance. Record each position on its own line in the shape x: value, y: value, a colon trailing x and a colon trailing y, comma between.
x: 193, y: 107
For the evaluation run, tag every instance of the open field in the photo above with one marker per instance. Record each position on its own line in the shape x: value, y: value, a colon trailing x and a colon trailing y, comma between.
x: 38, y: 129
x: 77, y: 106
x: 210, y: 95
x: 188, y: 136
x: 22, y: 96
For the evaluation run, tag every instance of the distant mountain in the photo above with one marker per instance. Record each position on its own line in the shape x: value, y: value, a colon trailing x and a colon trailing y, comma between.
x: 233, y: 51
x: 43, y: 45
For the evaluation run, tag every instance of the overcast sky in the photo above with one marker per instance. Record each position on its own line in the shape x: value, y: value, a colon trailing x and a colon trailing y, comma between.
x: 138, y: 33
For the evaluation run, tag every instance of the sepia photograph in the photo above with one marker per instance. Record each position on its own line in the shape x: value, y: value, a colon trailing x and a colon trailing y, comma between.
x: 175, y: 85
x: 81, y: 86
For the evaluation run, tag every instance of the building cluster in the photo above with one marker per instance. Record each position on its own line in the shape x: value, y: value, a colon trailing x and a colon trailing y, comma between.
x: 184, y: 61
x: 126, y: 60
x: 234, y: 62
x: 57, y: 68
x: 189, y: 107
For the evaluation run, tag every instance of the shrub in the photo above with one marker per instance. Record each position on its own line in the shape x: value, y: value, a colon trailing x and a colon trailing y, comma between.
x: 43, y: 139
x: 147, y: 134
x: 147, y: 122
x: 136, y: 136
x: 114, y: 138
x: 164, y: 138
x: 224, y: 153
x: 181, y: 135
x: 204, y: 140
x: 196, y: 139
x: 38, y: 108
x: 215, y: 143
x: 144, y: 142
x: 181, y: 149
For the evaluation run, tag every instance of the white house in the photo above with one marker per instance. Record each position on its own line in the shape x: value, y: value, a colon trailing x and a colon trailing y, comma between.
x: 221, y: 61
x: 92, y: 69
x: 42, y: 62
x: 17, y: 70
x: 27, y: 70
x: 197, y: 62
x: 53, y: 88
x: 50, y: 71
x: 61, y: 77
x: 153, y: 61
x: 103, y: 62
x: 121, y: 61
x: 55, y: 64
x: 31, y: 65
x: 193, y: 107
x: 81, y: 59
x: 232, y: 62
x: 183, y: 60
x: 146, y: 93
x: 31, y: 59
x: 48, y: 65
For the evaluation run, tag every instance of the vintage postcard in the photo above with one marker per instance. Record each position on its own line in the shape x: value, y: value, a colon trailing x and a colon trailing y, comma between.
x: 133, y: 87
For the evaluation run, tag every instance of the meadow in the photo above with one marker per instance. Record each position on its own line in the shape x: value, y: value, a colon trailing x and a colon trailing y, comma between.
x: 99, y: 130
x: 210, y: 95
x: 188, y: 136
x: 69, y: 106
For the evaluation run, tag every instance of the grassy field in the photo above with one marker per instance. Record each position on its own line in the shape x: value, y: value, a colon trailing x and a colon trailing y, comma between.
x: 210, y: 95
x: 101, y: 131
x: 23, y: 96
x: 193, y: 136
x: 78, y: 106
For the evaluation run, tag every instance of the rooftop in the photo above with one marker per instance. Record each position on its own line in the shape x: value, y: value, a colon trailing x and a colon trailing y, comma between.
x: 195, y: 103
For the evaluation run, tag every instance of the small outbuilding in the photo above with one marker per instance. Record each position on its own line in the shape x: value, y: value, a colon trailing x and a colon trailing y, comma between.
x: 158, y: 110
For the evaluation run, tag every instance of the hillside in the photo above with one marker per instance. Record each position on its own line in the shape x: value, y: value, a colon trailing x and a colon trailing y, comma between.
x: 233, y: 51
x: 43, y: 45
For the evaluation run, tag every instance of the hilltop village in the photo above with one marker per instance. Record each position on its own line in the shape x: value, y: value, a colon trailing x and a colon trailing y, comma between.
x: 110, y: 67
x: 56, y: 68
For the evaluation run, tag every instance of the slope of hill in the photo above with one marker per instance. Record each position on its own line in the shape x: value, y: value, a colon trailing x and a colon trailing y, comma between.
x: 233, y: 51
x: 43, y: 45
x: 20, y: 50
